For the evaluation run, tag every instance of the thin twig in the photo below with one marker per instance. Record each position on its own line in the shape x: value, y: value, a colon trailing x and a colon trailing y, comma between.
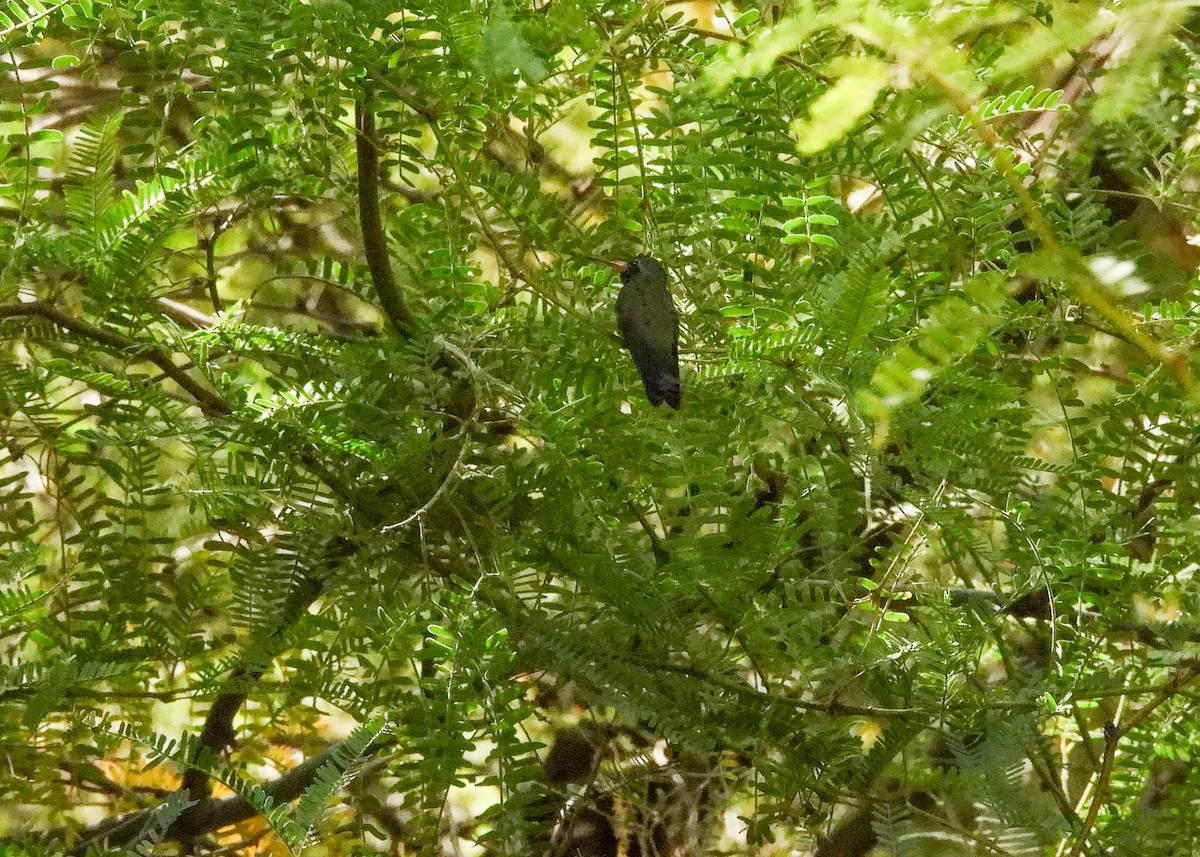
x: 1111, y: 737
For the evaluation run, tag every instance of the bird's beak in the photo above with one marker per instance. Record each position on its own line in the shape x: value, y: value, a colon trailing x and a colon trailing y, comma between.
x: 620, y: 266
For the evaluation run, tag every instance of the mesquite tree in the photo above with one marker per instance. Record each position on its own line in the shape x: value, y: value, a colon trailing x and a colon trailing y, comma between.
x: 335, y: 516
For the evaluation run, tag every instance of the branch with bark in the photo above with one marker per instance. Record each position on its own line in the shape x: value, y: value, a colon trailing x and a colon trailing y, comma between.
x: 211, y: 814
x: 210, y: 402
x: 374, y: 240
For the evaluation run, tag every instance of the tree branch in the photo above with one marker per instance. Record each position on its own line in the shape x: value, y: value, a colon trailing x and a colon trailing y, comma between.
x: 374, y: 241
x: 218, y: 733
x: 208, y: 401
x: 212, y: 814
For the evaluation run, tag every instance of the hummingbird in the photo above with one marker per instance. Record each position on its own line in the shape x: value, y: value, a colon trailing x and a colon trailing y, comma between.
x: 649, y: 326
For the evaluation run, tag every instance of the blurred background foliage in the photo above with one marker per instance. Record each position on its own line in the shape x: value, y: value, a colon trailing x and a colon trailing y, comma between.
x: 335, y: 520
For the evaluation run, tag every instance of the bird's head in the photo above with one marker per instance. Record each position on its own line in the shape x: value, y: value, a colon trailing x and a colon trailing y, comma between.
x: 640, y: 269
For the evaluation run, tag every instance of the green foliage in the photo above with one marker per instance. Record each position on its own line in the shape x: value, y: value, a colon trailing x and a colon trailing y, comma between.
x: 925, y: 524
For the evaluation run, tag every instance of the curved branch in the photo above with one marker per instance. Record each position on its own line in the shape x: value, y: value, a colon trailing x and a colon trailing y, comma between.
x: 208, y: 401
x: 374, y: 240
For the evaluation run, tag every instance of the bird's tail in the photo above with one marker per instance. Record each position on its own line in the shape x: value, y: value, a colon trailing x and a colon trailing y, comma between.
x: 663, y: 387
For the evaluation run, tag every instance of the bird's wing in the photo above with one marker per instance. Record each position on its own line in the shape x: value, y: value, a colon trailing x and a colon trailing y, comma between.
x: 649, y: 327
x: 651, y: 338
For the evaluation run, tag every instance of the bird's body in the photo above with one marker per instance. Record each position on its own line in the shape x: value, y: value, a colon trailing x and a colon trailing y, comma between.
x: 649, y: 326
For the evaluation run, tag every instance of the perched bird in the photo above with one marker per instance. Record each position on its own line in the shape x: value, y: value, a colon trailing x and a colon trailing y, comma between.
x: 649, y: 326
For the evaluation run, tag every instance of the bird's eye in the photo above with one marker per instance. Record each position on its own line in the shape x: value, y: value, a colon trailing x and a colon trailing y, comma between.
x: 634, y: 266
